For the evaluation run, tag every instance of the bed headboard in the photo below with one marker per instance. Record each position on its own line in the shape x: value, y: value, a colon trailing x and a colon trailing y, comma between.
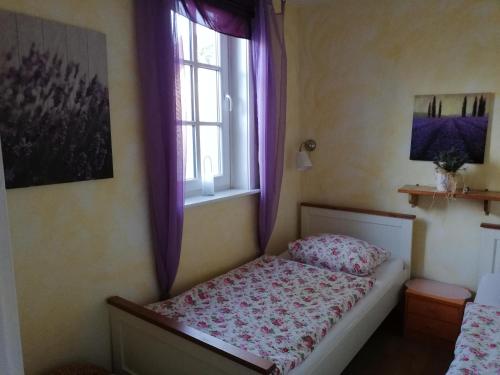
x: 389, y: 230
x: 489, y: 252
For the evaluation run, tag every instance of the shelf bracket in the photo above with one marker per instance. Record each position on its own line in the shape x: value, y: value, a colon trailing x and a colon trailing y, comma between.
x: 413, y: 199
x: 486, y: 206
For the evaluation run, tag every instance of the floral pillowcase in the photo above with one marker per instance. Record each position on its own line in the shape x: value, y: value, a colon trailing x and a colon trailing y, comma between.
x: 338, y: 253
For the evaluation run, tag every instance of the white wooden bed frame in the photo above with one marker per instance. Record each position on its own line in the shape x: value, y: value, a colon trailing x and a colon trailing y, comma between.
x: 146, y: 343
x: 489, y: 253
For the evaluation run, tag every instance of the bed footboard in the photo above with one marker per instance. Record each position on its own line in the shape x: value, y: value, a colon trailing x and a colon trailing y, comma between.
x: 146, y: 343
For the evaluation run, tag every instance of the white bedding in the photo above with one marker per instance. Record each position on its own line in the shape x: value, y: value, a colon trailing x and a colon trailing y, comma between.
x: 389, y: 275
x: 488, y: 292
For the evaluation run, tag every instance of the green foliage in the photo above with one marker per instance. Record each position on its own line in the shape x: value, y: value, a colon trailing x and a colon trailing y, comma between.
x: 481, y: 109
x: 451, y: 160
x: 474, y: 107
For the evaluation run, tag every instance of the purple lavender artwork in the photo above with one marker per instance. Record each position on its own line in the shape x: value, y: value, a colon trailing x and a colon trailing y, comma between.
x: 54, y: 104
x: 445, y: 122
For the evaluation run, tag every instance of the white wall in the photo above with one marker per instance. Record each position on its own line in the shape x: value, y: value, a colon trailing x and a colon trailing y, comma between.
x: 10, y: 342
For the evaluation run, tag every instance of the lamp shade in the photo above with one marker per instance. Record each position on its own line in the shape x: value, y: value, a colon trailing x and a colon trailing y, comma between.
x: 303, y: 161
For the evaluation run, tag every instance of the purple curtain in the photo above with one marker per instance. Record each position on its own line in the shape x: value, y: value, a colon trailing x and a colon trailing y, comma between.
x: 231, y: 17
x: 269, y: 74
x: 158, y: 71
x: 159, y: 75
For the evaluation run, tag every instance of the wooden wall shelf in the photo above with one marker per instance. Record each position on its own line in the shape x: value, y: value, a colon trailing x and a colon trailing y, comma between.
x: 414, y: 191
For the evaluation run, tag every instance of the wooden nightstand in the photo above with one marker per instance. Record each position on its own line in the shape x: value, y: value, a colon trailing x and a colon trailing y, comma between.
x: 434, y: 310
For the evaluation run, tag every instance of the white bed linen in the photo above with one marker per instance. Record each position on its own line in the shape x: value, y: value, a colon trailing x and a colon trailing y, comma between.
x: 390, y: 274
x: 488, y: 292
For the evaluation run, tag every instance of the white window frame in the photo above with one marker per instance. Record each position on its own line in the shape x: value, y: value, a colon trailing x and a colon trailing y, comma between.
x: 223, y: 180
x: 237, y: 119
x: 242, y: 130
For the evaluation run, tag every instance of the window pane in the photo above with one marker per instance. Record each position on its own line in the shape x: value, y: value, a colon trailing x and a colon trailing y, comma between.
x: 210, y: 137
x: 184, y: 35
x: 208, y: 95
x: 207, y: 45
x: 186, y: 92
x: 188, y: 147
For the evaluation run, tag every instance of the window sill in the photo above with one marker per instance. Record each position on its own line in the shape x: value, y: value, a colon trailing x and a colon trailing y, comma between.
x: 201, y: 200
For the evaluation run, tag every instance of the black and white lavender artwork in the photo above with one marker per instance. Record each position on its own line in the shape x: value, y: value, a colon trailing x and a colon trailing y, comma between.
x: 54, y: 103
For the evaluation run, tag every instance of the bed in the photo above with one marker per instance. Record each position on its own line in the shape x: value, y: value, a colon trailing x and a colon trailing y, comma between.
x: 477, y: 350
x: 146, y: 342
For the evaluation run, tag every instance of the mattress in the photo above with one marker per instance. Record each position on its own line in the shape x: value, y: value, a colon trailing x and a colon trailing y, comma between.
x: 389, y: 275
x: 488, y: 292
x: 275, y: 308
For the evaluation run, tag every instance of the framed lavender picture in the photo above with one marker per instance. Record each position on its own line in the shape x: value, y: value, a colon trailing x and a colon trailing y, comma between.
x: 450, y: 122
x: 54, y: 103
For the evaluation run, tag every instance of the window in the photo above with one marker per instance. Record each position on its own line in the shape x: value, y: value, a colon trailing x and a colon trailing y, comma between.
x: 212, y: 125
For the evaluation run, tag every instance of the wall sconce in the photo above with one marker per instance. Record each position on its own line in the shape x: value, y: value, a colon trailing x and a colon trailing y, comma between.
x: 303, y: 161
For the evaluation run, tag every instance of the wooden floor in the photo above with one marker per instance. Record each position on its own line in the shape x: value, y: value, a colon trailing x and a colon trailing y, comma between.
x: 389, y: 353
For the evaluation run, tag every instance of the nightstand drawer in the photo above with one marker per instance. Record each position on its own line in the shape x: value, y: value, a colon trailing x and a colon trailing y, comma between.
x: 434, y: 310
x: 431, y: 327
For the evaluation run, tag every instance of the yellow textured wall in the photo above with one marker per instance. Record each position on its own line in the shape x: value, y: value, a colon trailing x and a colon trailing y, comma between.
x: 362, y: 62
x: 76, y: 244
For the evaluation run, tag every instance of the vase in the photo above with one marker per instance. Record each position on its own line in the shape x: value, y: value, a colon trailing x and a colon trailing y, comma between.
x: 446, y: 181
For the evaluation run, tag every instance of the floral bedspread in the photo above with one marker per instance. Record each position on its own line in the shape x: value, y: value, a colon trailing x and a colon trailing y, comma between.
x: 477, y: 350
x: 275, y: 308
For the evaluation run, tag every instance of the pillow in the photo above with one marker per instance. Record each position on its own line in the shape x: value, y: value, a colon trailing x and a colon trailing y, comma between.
x: 337, y: 252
